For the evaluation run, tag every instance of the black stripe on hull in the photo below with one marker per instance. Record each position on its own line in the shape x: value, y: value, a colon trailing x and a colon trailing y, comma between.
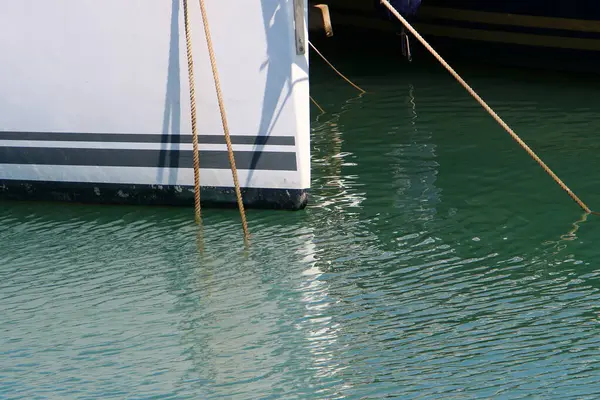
x: 145, y: 138
x: 245, y: 160
x: 149, y: 195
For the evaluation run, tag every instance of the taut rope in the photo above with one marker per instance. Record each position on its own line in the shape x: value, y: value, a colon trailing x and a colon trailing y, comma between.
x: 487, y: 108
x: 213, y: 64
x: 188, y: 40
x: 317, y: 105
x: 334, y: 69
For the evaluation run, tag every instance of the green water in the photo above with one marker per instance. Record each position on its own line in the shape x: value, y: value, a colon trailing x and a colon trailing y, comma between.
x: 435, y: 260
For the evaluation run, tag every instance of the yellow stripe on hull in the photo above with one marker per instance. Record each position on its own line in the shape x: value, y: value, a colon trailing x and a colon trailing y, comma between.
x: 494, y: 18
x: 527, y: 39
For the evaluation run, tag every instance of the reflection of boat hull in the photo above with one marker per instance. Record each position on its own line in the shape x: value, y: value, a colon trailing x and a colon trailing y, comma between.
x: 540, y: 33
x: 96, y: 111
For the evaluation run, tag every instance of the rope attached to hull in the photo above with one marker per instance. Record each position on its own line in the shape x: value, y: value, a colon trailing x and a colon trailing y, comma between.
x: 317, y: 105
x: 335, y: 70
x: 488, y: 108
x: 213, y: 64
x: 190, y: 60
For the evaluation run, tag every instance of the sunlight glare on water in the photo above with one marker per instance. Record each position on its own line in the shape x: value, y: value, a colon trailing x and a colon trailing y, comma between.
x: 435, y: 260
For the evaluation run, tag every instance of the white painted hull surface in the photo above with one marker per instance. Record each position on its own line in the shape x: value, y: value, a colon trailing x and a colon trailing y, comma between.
x: 94, y: 102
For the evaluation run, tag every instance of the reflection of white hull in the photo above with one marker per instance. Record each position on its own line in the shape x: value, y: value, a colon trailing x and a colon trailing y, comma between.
x: 94, y: 101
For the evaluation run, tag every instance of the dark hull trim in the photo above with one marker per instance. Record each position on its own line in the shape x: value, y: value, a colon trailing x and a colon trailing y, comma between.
x: 145, y: 138
x: 126, y: 194
x: 249, y: 160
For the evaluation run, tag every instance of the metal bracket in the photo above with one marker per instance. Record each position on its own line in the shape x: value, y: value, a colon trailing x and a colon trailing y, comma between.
x: 299, y: 26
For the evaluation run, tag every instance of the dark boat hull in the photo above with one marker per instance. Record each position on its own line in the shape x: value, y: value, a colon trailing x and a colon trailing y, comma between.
x: 535, y: 33
x: 556, y: 35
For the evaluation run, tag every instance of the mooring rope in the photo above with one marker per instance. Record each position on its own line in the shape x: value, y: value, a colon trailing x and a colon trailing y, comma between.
x: 196, y: 156
x: 333, y: 68
x: 317, y: 105
x: 213, y: 64
x: 487, y: 108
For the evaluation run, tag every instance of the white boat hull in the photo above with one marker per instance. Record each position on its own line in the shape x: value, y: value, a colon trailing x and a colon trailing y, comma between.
x: 94, y: 102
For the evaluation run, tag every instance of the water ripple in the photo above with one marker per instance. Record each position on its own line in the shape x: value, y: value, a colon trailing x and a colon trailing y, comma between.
x: 434, y: 261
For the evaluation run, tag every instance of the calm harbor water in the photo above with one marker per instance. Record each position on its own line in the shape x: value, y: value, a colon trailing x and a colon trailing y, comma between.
x: 435, y: 260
